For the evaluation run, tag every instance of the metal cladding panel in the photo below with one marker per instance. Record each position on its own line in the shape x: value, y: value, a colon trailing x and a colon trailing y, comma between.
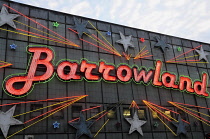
x: 100, y: 46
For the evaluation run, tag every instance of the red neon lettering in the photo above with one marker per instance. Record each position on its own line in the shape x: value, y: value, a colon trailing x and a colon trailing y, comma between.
x: 157, y: 74
x: 171, y: 78
x: 200, y: 87
x: 87, y: 68
x: 142, y: 75
x: 105, y: 69
x: 188, y: 82
x: 30, y: 78
x: 120, y: 75
x: 71, y: 74
x: 123, y: 73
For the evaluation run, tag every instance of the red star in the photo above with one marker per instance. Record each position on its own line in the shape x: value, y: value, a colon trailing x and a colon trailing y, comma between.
x: 141, y: 39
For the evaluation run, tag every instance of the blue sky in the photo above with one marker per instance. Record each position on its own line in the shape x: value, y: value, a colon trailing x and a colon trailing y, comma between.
x: 182, y: 18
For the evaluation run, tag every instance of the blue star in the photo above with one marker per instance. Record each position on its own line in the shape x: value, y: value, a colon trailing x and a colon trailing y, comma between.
x: 80, y: 27
x: 56, y: 124
x: 108, y: 33
x: 161, y: 44
x: 13, y: 46
x: 181, y: 126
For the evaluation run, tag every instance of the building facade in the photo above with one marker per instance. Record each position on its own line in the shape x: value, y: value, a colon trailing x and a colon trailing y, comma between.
x: 100, y: 60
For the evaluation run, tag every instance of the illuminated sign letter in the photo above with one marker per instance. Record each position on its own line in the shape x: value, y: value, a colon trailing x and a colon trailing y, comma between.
x: 169, y: 80
x: 87, y: 68
x: 157, y: 74
x: 200, y: 87
x: 127, y: 71
x: 185, y: 81
x: 71, y: 74
x: 142, y: 75
x: 29, y: 79
x: 105, y: 69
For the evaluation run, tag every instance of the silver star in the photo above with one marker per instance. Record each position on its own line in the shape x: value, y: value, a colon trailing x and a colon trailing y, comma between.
x: 202, y: 54
x: 6, y: 120
x: 125, y: 41
x: 6, y: 18
x: 135, y: 124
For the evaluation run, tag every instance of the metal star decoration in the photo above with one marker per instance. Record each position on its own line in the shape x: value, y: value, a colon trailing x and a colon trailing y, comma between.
x: 156, y: 124
x: 80, y: 27
x: 6, y: 120
x: 55, y: 24
x: 202, y: 54
x: 56, y: 124
x: 142, y: 39
x: 161, y: 44
x: 181, y: 126
x: 108, y: 33
x: 13, y: 46
x: 82, y: 126
x: 125, y: 41
x: 135, y: 124
x: 179, y: 49
x: 6, y: 18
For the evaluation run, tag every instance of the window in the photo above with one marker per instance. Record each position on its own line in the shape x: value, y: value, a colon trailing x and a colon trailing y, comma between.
x: 29, y: 136
x: 141, y: 114
x: 111, y: 113
x: 76, y: 111
x: 94, y: 111
x: 38, y: 112
x: 126, y: 112
x: 154, y: 115
x: 59, y: 114
x: 168, y: 113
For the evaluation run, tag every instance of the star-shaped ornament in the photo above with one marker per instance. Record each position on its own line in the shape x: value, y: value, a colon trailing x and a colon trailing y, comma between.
x: 82, y: 126
x: 142, y: 39
x: 135, y: 124
x: 125, y: 41
x: 179, y: 49
x: 13, y: 46
x: 6, y: 120
x: 56, y: 124
x: 80, y: 27
x: 161, y: 44
x: 156, y: 124
x: 181, y: 126
x: 202, y: 54
x: 108, y: 33
x: 55, y: 24
x: 6, y: 18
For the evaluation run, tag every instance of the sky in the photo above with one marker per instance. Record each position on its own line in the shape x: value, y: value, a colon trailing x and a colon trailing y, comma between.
x: 188, y: 19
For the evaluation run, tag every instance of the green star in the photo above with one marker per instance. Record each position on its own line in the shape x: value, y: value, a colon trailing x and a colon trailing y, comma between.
x: 55, y: 24
x: 179, y: 49
x: 156, y: 124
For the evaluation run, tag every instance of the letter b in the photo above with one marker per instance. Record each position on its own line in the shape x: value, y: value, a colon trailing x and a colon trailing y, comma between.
x: 30, y: 78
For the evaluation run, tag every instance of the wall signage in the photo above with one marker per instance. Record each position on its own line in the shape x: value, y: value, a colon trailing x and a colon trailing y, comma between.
x: 91, y: 71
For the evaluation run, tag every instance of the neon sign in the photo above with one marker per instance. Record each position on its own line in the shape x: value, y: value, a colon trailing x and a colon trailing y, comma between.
x: 95, y: 72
